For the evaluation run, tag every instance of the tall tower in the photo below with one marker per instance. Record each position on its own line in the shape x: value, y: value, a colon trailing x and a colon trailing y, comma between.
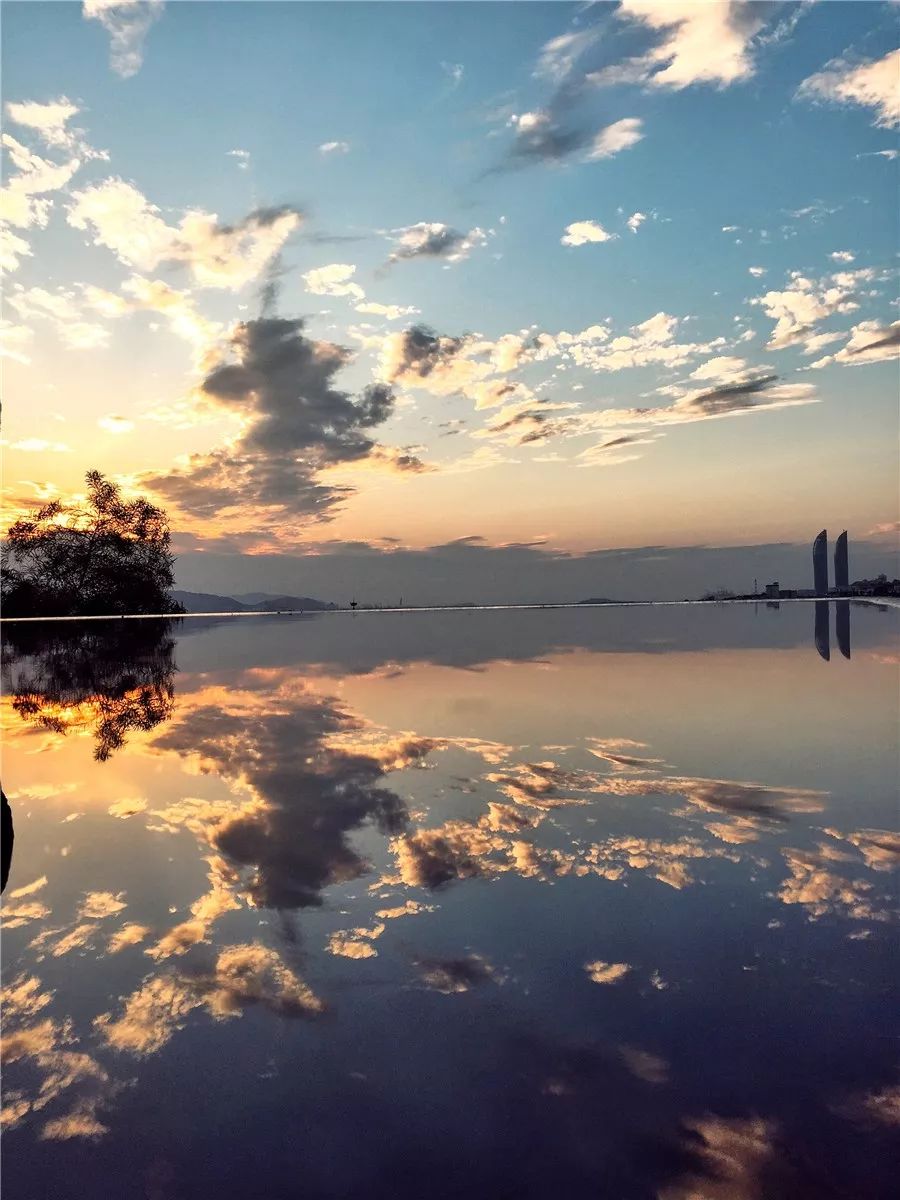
x: 820, y: 564
x: 841, y: 564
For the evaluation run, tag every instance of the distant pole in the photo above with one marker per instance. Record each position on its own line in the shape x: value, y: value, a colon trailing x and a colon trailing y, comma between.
x: 755, y: 587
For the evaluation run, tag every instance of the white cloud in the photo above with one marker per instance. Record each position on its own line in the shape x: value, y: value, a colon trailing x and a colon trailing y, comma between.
x: 683, y: 55
x: 390, y: 312
x: 178, y: 308
x: 219, y: 256
x: 243, y: 158
x: 804, y: 302
x: 842, y: 256
x: 869, y: 342
x: 890, y: 155
x: 871, y: 85
x: 24, y: 202
x: 333, y: 280
x: 433, y: 239
x: 720, y: 368
x: 12, y: 250
x: 455, y: 72
x: 62, y: 310
x: 757, y: 271
x: 334, y: 148
x: 39, y: 446
x: 616, y: 137
x: 116, y: 424
x: 635, y: 221
x: 127, y: 23
x: 48, y: 120
x: 24, y: 199
x: 13, y: 341
x: 579, y: 233
x: 558, y: 56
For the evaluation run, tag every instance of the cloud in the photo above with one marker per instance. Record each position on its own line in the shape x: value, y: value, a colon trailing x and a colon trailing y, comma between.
x: 75, y: 939
x: 799, y: 307
x: 151, y: 1016
x: 615, y: 138
x: 409, y: 908
x: 334, y: 148
x: 40, y: 446
x: 756, y: 272
x: 432, y: 239
x: 454, y: 72
x: 737, y: 398
x: 14, y: 915
x: 243, y: 976
x: 97, y: 905
x: 127, y: 22
x: 391, y: 312
x: 635, y: 221
x: 14, y: 338
x: 880, y: 848
x: 681, y: 57
x: 842, y: 256
x: 217, y: 255
x: 28, y: 889
x: 605, y: 972
x: 868, y: 337
x: 295, y: 424
x: 48, y: 120
x: 720, y: 367
x: 813, y: 884
x: 733, y: 1161
x: 890, y: 155
x: 355, y: 943
x: 445, y: 366
x: 871, y: 84
x: 308, y: 792
x: 580, y: 233
x: 24, y: 200
x: 131, y: 934
x: 868, y: 342
x: 127, y: 807
x: 116, y: 424
x: 452, y: 976
x: 177, y: 307
x: 541, y: 136
x: 62, y: 310
x: 243, y: 158
x: 333, y: 280
x: 559, y: 56
x: 479, y: 369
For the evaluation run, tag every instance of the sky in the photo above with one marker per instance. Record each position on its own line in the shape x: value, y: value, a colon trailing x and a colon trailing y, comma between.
x: 374, y: 287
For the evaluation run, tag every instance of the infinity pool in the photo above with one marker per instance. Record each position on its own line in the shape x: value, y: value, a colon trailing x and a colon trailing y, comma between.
x: 563, y: 903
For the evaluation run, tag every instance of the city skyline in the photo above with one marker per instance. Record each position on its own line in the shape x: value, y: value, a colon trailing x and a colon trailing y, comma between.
x: 559, y: 282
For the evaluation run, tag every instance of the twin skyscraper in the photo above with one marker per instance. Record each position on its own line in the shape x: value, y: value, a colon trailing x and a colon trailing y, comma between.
x: 820, y: 564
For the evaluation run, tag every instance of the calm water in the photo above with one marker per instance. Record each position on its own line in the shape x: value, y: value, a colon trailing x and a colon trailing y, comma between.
x: 464, y: 904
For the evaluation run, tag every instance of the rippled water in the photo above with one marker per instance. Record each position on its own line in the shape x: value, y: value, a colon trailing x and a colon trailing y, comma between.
x: 503, y: 904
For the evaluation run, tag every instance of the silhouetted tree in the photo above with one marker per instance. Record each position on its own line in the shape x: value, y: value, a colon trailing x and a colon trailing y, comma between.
x: 109, y: 678
x: 109, y: 556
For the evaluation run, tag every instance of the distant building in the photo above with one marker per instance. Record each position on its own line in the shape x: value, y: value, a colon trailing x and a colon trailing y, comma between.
x: 773, y: 591
x: 841, y: 564
x: 820, y: 564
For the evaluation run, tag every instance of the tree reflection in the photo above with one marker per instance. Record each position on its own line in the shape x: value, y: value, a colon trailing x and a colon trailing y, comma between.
x: 111, y: 678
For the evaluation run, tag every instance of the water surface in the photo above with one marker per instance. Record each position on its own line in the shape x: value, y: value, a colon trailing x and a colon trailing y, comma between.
x: 508, y: 904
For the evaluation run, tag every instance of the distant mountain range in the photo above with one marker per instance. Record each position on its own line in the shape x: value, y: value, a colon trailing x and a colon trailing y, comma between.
x: 208, y: 602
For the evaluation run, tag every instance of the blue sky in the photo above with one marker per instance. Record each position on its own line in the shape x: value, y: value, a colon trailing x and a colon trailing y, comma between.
x: 476, y: 166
